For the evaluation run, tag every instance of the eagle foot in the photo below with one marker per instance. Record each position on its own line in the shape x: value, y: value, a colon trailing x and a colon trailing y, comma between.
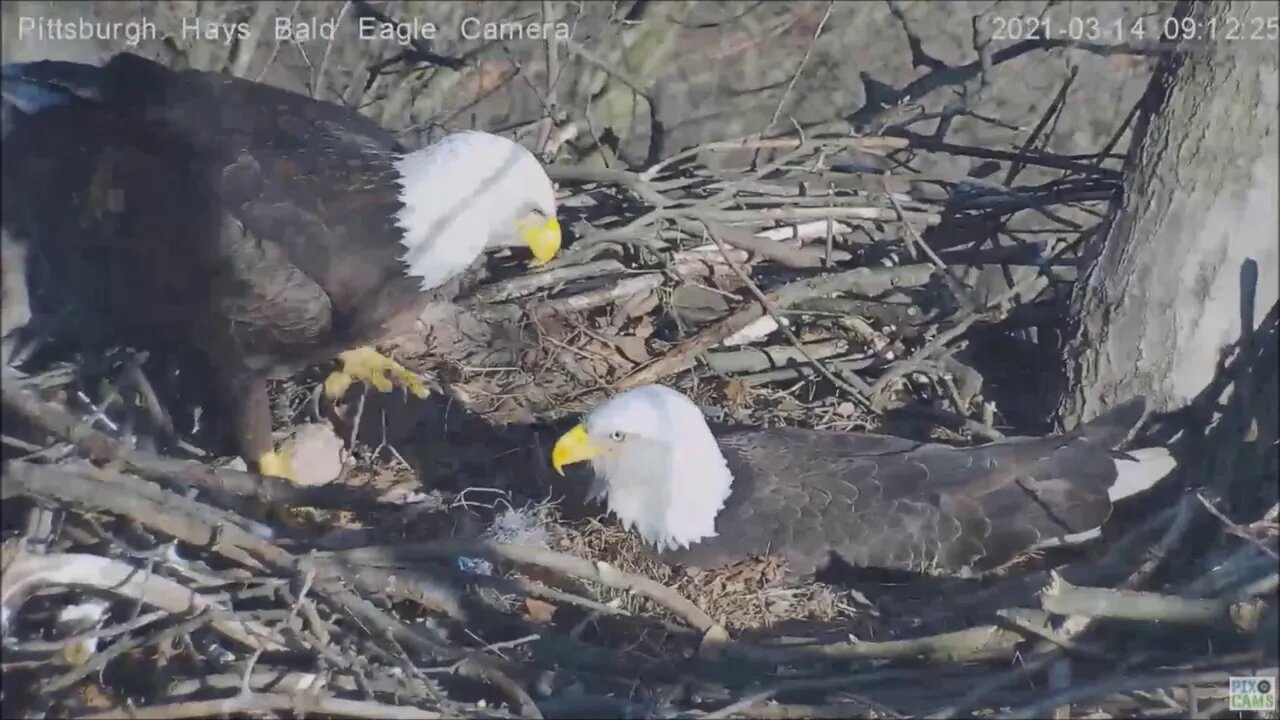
x: 372, y: 368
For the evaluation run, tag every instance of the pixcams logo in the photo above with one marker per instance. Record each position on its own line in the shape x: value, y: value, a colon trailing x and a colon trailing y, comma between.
x: 1252, y: 693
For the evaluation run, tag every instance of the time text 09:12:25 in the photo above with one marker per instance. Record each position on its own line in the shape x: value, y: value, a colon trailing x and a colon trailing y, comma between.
x: 1091, y: 29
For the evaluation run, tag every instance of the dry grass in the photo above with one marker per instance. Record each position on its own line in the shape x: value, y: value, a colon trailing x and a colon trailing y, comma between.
x: 742, y: 597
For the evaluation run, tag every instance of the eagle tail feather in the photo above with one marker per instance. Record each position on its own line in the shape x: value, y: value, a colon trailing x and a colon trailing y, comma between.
x: 1112, y: 427
x: 1142, y: 469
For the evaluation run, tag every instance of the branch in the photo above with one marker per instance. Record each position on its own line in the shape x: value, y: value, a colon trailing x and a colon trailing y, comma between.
x: 27, y: 573
x: 600, y: 572
x: 301, y: 705
x: 1063, y: 598
x: 866, y: 281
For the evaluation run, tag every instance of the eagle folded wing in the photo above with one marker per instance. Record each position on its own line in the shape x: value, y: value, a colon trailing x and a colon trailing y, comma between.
x: 879, y: 501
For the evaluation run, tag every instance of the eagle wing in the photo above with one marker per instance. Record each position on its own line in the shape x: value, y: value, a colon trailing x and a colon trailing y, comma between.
x: 314, y: 180
x: 146, y: 242
x: 256, y: 224
x: 880, y: 501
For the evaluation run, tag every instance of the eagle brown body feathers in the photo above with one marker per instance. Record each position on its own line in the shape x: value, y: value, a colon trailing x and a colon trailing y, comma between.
x: 219, y: 210
x: 195, y: 209
x: 889, y: 502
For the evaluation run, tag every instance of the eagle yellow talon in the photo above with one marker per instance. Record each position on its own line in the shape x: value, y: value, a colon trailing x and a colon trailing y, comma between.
x: 369, y: 366
x: 335, y: 386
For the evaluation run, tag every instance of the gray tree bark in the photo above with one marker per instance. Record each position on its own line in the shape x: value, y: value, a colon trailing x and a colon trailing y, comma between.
x: 1161, y: 299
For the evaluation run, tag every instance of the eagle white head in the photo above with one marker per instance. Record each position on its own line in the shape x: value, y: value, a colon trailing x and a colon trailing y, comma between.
x: 470, y: 191
x: 657, y: 465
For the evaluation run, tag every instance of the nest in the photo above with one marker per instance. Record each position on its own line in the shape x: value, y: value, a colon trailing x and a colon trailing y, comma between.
x: 444, y: 574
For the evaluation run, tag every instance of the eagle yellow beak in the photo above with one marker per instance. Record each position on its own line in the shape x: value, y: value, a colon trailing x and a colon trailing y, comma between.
x: 542, y: 237
x: 573, y: 446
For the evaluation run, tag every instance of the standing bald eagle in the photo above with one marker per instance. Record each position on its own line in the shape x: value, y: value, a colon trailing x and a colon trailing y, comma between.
x: 871, y: 500
x: 268, y: 230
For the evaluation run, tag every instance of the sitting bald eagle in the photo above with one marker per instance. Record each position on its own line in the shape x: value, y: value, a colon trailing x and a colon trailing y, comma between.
x: 268, y: 230
x: 870, y: 500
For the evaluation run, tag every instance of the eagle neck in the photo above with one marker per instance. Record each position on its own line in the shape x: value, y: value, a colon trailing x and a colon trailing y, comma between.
x: 443, y: 227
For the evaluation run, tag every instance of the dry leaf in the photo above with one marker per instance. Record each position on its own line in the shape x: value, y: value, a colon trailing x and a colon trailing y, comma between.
x: 539, y: 611
x: 94, y: 698
x: 640, y: 304
x: 631, y: 348
x: 735, y: 393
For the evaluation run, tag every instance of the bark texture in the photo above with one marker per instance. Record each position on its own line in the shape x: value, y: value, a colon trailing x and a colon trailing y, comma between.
x: 1163, y: 296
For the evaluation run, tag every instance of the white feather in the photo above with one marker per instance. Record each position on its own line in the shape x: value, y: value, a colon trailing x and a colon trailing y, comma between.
x: 666, y: 477
x: 462, y: 194
x: 1149, y: 466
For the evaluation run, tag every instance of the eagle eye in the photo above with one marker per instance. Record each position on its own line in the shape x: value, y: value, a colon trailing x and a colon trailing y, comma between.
x: 616, y: 436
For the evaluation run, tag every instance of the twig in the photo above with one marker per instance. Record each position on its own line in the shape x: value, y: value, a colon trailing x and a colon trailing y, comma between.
x: 29, y: 572
x: 1234, y: 528
x: 1104, y: 688
x: 604, y: 296
x: 782, y: 142
x: 603, y: 573
x: 906, y: 365
x: 755, y: 244
x: 100, y: 659
x: 1063, y: 598
x: 986, y: 642
x: 222, y: 483
x: 179, y: 517
x: 273, y: 702
x: 107, y: 632
x: 917, y: 241
x: 750, y: 360
x: 871, y: 113
x: 318, y: 82
x: 867, y: 281
x: 476, y: 669
x: 795, y: 77
x: 775, y: 313
x: 553, y: 62
x: 522, y: 285
x: 275, y: 47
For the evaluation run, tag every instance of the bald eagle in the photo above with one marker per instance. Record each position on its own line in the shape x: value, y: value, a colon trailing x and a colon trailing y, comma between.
x: 268, y: 230
x: 707, y: 501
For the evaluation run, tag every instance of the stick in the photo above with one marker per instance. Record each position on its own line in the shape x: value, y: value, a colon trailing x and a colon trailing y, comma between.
x: 1128, y: 684
x: 855, y: 392
x: 28, y: 572
x: 600, y: 572
x: 795, y: 77
x: 748, y: 360
x: 987, y: 642
x: 867, y: 281
x: 221, y: 483
x: 178, y: 516
x: 1063, y: 598
x: 906, y: 365
x: 272, y: 702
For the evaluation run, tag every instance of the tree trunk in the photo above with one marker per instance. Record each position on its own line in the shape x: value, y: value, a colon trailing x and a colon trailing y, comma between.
x: 1163, y: 296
